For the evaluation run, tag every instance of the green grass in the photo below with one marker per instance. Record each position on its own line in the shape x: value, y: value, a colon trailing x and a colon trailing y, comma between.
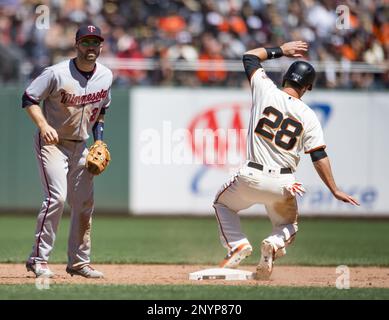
x: 196, y: 241
x: 188, y: 292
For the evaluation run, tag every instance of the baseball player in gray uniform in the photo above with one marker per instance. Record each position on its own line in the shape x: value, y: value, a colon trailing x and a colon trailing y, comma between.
x: 75, y: 95
x: 280, y: 127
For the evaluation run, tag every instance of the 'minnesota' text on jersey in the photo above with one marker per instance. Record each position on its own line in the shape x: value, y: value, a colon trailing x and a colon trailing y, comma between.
x: 72, y: 100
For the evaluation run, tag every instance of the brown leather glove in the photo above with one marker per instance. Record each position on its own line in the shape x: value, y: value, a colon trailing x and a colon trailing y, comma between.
x: 98, y: 158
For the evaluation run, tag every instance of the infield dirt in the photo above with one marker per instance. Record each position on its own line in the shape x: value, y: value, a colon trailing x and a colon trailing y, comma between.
x: 131, y: 274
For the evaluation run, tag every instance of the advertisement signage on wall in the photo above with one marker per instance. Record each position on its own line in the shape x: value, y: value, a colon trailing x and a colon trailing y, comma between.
x: 185, y: 143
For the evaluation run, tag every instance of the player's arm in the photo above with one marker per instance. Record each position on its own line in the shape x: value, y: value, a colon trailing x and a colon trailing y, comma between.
x: 252, y: 59
x: 292, y: 49
x: 39, y: 89
x: 322, y: 165
x: 314, y: 145
x: 48, y: 133
x: 98, y: 127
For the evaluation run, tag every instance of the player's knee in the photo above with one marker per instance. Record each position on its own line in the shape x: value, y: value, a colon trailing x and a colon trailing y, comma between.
x: 88, y: 203
x: 59, y: 200
x: 218, y: 206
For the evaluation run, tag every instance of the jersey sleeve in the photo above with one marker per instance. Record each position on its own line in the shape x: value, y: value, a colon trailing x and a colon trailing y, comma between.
x: 40, y: 88
x: 251, y: 63
x: 259, y: 81
x: 313, y: 136
x: 107, y: 101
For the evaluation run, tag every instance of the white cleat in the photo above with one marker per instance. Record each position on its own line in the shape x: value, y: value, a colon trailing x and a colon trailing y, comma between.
x: 265, y: 265
x: 86, y: 271
x: 236, y: 255
x: 40, y: 269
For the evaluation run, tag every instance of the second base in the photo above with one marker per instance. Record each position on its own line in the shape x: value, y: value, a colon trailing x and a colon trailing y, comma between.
x: 221, y: 274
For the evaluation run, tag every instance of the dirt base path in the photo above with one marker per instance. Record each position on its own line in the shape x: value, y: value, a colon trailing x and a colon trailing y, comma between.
x: 364, y: 277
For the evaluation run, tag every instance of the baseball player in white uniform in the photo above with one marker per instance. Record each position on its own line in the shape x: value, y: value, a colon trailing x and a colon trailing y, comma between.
x: 281, y: 126
x: 75, y: 95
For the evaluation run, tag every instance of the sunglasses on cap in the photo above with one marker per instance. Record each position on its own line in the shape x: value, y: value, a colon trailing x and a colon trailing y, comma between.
x: 90, y: 42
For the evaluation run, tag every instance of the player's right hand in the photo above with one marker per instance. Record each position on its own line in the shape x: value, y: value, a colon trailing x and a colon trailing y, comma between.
x: 296, y: 188
x: 340, y: 195
x: 294, y: 49
x: 49, y: 135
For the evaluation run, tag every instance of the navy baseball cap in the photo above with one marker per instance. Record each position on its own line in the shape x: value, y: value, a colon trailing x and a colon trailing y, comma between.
x: 88, y: 31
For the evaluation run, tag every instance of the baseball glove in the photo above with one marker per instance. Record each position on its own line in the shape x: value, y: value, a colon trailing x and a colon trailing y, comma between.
x: 98, y: 158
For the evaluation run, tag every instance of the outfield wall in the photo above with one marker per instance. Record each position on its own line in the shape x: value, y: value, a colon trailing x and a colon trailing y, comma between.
x: 20, y: 187
x: 175, y: 172
x: 158, y: 165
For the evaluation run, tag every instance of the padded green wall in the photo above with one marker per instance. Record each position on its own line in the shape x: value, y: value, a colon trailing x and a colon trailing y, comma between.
x: 20, y: 187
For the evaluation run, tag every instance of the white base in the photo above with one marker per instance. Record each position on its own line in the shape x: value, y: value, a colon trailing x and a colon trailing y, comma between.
x: 221, y: 274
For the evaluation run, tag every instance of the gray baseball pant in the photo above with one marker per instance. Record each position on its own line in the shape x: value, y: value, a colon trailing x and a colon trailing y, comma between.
x: 64, y: 178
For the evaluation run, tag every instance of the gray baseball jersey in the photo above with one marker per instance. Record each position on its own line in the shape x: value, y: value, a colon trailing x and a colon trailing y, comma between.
x: 71, y: 102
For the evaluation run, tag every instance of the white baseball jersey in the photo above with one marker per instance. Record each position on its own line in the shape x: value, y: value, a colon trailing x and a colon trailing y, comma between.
x: 71, y: 102
x: 280, y: 125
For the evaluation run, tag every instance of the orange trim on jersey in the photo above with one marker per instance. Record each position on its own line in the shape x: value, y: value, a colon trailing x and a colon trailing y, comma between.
x: 267, y: 116
x: 296, y: 136
x: 293, y: 118
x: 317, y: 148
x: 263, y: 137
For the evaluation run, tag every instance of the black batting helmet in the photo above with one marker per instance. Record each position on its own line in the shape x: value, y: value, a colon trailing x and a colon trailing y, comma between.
x: 300, y: 72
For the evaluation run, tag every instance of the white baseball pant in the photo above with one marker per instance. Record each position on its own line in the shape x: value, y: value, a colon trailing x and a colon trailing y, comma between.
x: 252, y: 186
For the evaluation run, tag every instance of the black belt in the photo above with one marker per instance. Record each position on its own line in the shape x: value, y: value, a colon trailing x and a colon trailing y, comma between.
x: 260, y: 167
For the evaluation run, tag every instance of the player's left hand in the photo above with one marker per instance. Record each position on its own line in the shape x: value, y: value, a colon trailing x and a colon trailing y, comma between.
x: 294, y: 49
x: 342, y: 196
x: 296, y: 188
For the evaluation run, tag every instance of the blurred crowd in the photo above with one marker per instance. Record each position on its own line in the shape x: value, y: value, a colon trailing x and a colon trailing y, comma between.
x: 167, y: 32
